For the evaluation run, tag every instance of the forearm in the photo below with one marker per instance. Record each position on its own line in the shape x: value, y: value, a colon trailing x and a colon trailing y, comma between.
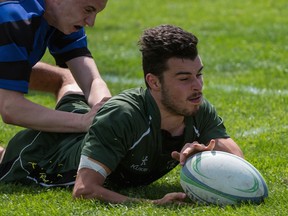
x: 102, y: 194
x: 24, y: 113
x: 89, y: 79
x: 48, y: 78
x: 108, y: 196
x: 228, y: 145
x: 99, y: 90
x: 89, y: 185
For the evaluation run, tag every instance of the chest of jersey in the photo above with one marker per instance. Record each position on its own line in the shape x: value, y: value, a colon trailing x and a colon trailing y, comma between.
x: 147, y: 161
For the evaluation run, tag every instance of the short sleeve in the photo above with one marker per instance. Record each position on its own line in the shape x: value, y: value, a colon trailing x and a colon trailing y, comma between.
x: 209, y: 124
x: 66, y: 47
x: 110, y: 136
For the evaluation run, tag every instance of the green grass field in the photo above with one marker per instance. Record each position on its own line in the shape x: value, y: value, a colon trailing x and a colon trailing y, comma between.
x: 243, y: 45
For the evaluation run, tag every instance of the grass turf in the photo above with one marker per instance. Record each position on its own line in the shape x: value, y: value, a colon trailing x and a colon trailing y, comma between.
x: 243, y: 45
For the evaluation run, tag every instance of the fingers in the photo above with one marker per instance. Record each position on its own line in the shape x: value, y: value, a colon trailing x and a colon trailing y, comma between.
x: 175, y: 155
x: 88, y: 117
x: 176, y: 197
x: 190, y: 149
x: 211, y: 145
x: 105, y: 99
x: 97, y: 106
x: 101, y: 103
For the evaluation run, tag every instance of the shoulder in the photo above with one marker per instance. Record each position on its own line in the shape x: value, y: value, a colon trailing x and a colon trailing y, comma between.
x: 20, y: 18
x: 20, y: 10
x: 206, y: 107
x: 127, y: 110
x: 131, y: 100
x: 206, y: 115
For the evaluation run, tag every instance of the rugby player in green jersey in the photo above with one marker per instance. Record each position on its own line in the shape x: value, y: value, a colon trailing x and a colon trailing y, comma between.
x: 136, y: 137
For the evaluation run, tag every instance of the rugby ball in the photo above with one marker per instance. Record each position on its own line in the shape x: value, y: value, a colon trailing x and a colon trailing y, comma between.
x: 216, y: 177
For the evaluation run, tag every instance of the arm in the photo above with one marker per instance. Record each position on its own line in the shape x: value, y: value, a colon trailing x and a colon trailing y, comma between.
x: 88, y: 78
x: 58, y: 81
x: 89, y: 185
x: 228, y: 145
x: 17, y: 110
x: 220, y: 144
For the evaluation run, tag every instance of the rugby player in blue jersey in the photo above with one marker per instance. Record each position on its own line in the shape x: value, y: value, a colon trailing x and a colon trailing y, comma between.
x: 27, y: 28
x: 137, y: 136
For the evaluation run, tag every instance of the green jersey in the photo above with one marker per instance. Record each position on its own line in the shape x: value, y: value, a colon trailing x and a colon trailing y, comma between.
x: 125, y: 136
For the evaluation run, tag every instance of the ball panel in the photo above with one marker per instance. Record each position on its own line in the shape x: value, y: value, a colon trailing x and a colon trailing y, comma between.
x: 210, y: 168
x: 222, y: 178
x: 263, y: 189
x: 199, y: 192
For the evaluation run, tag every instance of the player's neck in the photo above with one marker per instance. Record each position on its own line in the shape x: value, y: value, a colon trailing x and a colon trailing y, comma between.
x: 173, y: 124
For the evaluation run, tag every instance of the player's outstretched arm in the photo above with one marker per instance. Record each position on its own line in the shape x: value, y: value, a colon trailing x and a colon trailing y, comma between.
x: 89, y: 185
x: 15, y: 109
x: 220, y: 144
x: 86, y: 74
x: 228, y: 145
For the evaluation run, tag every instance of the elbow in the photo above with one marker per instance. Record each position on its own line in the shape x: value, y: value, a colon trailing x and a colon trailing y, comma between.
x: 78, y: 193
x: 81, y: 192
x: 88, y: 192
x: 10, y: 106
x: 7, y: 116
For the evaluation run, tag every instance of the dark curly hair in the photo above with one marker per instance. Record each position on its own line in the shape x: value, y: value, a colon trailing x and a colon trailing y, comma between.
x: 163, y: 42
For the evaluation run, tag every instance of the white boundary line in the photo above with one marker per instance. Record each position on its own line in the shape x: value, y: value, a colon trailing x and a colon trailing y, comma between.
x: 226, y: 88
x: 249, y: 89
x: 260, y: 130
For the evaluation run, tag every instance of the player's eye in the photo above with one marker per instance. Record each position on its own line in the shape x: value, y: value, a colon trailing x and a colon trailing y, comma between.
x: 183, y: 78
x: 89, y: 9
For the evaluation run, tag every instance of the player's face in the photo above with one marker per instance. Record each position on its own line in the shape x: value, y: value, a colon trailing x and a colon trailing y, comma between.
x: 70, y: 15
x: 181, y: 87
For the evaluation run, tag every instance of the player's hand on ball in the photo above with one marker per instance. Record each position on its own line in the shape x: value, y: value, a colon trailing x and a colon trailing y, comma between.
x: 176, y: 197
x: 190, y: 149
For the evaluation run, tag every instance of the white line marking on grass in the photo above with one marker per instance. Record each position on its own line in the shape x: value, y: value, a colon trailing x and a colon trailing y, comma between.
x: 261, y: 130
x: 250, y: 89
x: 226, y: 88
x: 123, y: 80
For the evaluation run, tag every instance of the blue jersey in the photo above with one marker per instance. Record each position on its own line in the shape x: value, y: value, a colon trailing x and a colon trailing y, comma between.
x: 24, y: 37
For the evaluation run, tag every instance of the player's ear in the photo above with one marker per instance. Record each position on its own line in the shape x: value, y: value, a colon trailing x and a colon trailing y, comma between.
x: 153, y: 81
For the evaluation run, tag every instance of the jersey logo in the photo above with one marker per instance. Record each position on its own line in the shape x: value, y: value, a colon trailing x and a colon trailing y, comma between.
x: 144, y: 160
x: 141, y: 167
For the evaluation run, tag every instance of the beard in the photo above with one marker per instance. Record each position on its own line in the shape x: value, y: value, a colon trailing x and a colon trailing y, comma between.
x: 169, y: 103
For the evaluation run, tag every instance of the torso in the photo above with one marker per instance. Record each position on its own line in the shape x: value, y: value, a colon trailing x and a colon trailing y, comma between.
x: 137, y: 142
